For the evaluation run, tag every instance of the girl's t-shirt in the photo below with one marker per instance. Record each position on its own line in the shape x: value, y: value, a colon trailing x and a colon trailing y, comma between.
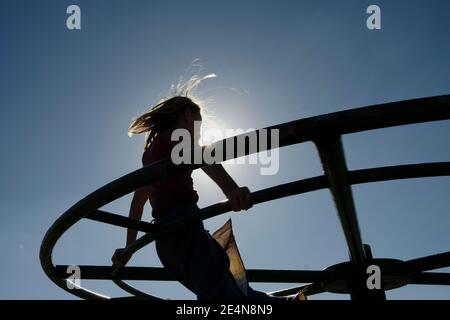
x: 174, y: 190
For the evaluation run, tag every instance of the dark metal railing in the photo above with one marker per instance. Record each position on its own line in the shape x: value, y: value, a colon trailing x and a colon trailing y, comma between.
x: 325, y: 131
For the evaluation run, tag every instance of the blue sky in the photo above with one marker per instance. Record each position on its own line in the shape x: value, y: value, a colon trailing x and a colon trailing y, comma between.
x: 67, y: 98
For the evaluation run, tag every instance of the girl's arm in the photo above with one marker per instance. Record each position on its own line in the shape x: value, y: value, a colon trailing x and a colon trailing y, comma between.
x: 136, y: 209
x: 239, y: 197
x: 218, y: 174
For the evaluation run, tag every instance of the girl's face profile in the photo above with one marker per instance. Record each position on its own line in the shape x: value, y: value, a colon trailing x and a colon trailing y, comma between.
x: 190, y: 116
x: 191, y: 120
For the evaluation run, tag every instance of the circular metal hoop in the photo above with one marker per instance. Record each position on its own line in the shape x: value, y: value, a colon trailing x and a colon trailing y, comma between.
x: 325, y: 131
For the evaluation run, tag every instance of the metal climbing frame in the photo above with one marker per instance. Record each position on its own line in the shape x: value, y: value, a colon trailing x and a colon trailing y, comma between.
x: 325, y: 131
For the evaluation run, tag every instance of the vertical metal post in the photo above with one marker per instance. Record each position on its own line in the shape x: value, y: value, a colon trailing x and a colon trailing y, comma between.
x: 331, y: 153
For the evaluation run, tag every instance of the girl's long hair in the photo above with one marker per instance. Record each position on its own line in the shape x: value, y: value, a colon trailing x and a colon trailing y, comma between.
x: 167, y: 110
x: 161, y: 116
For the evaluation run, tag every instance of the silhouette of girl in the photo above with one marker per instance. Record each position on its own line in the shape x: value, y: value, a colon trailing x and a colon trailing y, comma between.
x: 190, y: 254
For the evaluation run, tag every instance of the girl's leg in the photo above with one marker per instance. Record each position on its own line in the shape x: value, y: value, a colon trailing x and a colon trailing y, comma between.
x: 197, y: 260
x: 192, y: 258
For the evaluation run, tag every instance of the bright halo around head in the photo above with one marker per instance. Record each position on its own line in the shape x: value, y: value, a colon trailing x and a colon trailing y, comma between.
x: 212, y: 129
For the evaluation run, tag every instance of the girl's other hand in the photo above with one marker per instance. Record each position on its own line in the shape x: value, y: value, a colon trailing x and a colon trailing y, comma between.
x: 119, y: 259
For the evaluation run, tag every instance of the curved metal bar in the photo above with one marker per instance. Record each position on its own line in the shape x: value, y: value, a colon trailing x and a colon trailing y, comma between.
x: 135, y: 292
x: 338, y: 123
x: 78, y: 291
x: 387, y: 173
x: 277, y: 192
x: 300, y: 187
x: 406, y: 171
x: 308, y: 290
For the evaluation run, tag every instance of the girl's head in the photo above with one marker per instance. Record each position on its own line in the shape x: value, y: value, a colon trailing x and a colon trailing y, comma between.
x: 179, y: 111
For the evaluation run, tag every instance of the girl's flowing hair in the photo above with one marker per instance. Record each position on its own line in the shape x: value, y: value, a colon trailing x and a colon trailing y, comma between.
x: 167, y: 110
